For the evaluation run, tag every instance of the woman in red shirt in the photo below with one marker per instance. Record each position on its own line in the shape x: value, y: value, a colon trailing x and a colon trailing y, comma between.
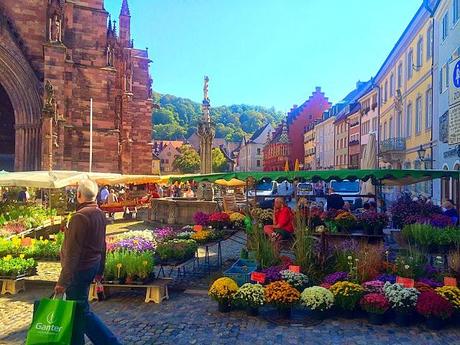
x: 283, y: 221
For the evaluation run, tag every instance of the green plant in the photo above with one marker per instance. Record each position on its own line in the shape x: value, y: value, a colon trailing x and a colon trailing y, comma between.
x: 267, y: 253
x: 250, y: 295
x: 410, y: 263
x: 121, y: 264
x: 317, y: 298
x: 304, y: 245
x: 177, y: 249
x: 12, y: 267
x: 347, y: 294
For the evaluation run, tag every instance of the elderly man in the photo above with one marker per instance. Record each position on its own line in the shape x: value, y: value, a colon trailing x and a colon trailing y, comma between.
x: 82, y: 261
x: 283, y: 221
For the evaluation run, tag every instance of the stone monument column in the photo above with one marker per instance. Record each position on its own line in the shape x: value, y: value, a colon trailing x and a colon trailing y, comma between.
x: 206, y: 132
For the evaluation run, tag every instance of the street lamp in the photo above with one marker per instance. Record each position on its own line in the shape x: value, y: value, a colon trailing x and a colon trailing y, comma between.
x: 421, y: 153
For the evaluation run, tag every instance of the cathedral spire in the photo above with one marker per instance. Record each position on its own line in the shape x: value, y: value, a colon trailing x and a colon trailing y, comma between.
x: 124, y: 8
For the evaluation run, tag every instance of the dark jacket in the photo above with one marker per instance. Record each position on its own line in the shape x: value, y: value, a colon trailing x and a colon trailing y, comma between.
x: 334, y: 201
x: 84, y: 242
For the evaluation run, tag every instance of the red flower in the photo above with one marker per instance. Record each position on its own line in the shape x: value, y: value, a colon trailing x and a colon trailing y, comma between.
x: 430, y: 304
x: 375, y: 303
x: 220, y: 217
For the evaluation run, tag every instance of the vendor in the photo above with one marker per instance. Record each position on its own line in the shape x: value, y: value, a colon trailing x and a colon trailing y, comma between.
x: 189, y: 193
x: 112, y: 197
x: 334, y: 201
x: 283, y: 221
x: 448, y: 209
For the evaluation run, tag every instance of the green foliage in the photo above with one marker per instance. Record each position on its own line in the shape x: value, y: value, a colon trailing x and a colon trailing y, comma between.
x: 425, y: 236
x: 219, y: 163
x: 176, y: 250
x: 178, y: 117
x: 188, y: 161
x: 121, y: 264
x: 267, y: 253
x: 12, y: 267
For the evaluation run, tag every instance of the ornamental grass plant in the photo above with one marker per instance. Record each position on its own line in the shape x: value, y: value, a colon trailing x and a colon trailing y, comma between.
x: 317, y: 298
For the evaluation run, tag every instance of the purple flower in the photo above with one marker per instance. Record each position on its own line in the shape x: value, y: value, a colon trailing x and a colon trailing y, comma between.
x: 164, y: 233
x: 201, y: 218
x: 335, y: 277
x: 273, y: 273
x: 135, y: 243
x: 387, y: 278
x: 373, y: 286
x: 432, y: 283
x: 430, y: 271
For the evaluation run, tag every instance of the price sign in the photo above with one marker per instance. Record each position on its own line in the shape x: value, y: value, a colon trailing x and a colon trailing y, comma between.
x: 450, y: 281
x: 406, y: 282
x: 258, y: 277
x: 295, y: 269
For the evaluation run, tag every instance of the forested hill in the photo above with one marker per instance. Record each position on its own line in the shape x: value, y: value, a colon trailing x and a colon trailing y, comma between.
x: 178, y: 117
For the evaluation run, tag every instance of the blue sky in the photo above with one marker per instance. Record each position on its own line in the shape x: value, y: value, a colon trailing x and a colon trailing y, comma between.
x: 265, y: 52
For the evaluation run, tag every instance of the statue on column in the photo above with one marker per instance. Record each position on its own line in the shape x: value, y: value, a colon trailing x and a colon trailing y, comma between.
x: 109, y: 53
x: 49, y: 107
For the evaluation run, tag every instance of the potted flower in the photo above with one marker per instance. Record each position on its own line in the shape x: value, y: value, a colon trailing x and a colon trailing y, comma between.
x: 373, y: 286
x: 373, y: 222
x: 402, y: 301
x: 237, y: 220
x: 333, y: 278
x: 283, y: 296
x: 223, y: 290
x: 317, y: 300
x: 251, y: 296
x: 452, y: 294
x: 296, y: 280
x: 219, y: 220
x: 345, y: 221
x: 435, y: 308
x: 201, y: 218
x: 346, y: 296
x: 376, y: 305
x: 16, y: 267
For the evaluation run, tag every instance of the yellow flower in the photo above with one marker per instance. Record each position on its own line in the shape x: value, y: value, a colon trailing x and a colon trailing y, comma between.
x: 119, y: 265
x: 41, y: 238
x: 21, y: 256
x: 223, y: 288
x: 8, y: 257
x: 45, y: 241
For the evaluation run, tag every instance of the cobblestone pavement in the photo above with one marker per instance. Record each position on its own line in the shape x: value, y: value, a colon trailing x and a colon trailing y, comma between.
x: 192, y: 318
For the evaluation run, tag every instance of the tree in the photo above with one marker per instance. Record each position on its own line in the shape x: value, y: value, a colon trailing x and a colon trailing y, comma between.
x: 188, y: 161
x: 219, y: 162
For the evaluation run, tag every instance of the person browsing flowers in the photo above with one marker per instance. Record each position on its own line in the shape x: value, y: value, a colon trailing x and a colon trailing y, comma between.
x: 283, y: 220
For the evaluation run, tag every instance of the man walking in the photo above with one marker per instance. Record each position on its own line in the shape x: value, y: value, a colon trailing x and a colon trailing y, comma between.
x: 82, y: 261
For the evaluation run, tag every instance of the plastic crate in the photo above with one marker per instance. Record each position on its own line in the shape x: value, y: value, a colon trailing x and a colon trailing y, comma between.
x: 240, y: 275
x: 240, y: 263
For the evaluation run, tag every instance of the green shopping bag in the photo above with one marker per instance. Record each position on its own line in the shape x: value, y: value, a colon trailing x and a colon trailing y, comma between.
x: 52, y: 323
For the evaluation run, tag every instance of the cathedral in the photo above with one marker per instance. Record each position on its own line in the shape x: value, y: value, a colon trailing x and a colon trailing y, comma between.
x: 56, y: 56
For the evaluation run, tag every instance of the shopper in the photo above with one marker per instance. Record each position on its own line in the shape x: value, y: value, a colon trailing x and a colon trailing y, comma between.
x: 82, y: 261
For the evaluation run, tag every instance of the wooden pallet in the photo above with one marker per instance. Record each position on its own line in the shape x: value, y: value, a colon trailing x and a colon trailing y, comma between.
x: 157, y: 291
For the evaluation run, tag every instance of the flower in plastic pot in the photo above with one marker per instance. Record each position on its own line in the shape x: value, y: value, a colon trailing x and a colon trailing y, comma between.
x: 281, y: 294
x: 432, y: 305
x: 317, y: 298
x: 250, y: 296
x: 376, y: 305
x: 223, y: 290
x: 347, y: 294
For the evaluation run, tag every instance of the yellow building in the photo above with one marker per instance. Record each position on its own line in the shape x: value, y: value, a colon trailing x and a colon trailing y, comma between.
x: 310, y: 147
x: 404, y: 84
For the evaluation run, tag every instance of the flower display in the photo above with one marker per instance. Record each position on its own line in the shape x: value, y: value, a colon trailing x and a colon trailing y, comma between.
x: 201, y: 218
x: 250, y: 295
x: 176, y: 250
x: 124, y: 263
x: 223, y: 289
x: 345, y: 220
x: 450, y: 293
x: 14, y: 266
x: 373, y: 222
x: 145, y: 234
x: 430, y: 304
x: 281, y: 294
x: 236, y: 217
x: 134, y: 243
x: 317, y: 298
x: 297, y: 280
x: 373, y: 286
x: 184, y: 235
x: 346, y: 294
x: 219, y: 217
x: 385, y: 277
x: 163, y: 234
x: 374, y: 303
x: 263, y: 216
x: 401, y: 299
x: 202, y: 236
x: 335, y: 277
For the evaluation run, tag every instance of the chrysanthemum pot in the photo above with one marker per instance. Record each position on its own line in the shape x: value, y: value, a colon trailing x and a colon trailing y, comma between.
x: 435, y: 323
x: 402, y: 319
x: 284, y: 312
x: 376, y: 319
x: 224, y: 306
x: 252, y: 311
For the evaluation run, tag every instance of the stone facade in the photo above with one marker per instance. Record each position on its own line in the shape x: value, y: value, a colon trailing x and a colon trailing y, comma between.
x: 55, y: 56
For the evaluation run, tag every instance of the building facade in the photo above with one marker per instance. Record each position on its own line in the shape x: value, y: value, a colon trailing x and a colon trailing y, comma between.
x: 250, y: 152
x: 405, y: 96
x: 310, y: 147
x: 54, y: 57
x: 324, y: 141
x: 277, y: 150
x: 446, y: 51
x: 369, y: 116
x: 354, y: 138
x: 300, y: 117
x: 167, y: 156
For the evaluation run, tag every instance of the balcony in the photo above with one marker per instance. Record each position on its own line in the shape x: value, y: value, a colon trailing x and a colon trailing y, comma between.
x: 393, y: 145
x: 393, y: 150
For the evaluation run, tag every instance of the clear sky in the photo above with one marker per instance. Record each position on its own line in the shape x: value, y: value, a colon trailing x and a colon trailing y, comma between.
x: 265, y: 52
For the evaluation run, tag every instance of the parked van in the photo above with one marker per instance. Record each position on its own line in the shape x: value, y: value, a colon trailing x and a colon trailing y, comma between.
x: 349, y: 190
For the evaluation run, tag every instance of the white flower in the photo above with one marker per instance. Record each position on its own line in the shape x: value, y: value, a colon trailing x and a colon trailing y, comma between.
x: 349, y: 257
x: 406, y: 267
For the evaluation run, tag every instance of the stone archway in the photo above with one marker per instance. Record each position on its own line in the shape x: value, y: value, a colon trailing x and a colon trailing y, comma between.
x: 23, y: 88
x: 7, y: 132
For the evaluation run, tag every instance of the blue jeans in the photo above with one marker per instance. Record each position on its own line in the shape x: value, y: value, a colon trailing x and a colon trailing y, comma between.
x: 86, y: 322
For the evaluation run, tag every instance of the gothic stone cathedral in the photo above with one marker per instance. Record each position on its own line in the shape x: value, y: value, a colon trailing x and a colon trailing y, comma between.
x: 54, y: 56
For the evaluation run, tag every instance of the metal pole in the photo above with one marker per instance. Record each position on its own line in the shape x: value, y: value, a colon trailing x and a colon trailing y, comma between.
x: 90, y: 134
